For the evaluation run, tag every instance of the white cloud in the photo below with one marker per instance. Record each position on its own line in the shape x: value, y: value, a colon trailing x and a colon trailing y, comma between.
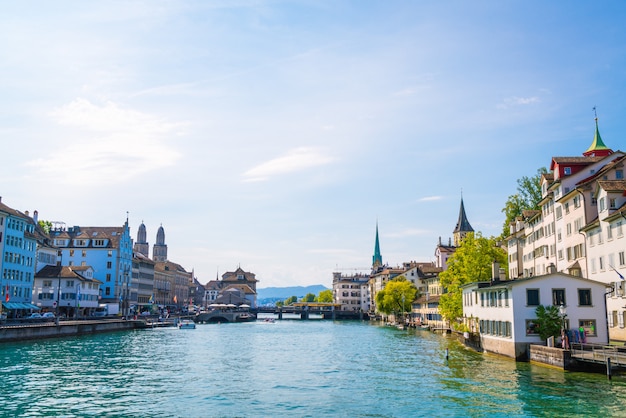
x: 295, y: 160
x: 106, y: 144
x: 430, y: 198
x: 518, y: 101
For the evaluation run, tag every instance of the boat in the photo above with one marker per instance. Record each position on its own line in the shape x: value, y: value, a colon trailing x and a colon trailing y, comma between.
x: 186, y: 324
x: 269, y: 320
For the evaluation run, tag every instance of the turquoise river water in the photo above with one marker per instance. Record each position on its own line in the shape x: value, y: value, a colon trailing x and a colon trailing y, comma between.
x: 288, y: 368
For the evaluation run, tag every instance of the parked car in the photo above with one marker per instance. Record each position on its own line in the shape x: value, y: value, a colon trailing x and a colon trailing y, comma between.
x: 48, y: 315
x: 34, y: 315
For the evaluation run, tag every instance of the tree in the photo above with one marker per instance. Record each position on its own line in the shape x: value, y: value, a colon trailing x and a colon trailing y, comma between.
x: 45, y: 225
x: 397, y: 296
x: 471, y: 262
x: 280, y: 303
x: 291, y: 300
x: 309, y: 297
x: 325, y: 296
x: 527, y: 197
x: 548, y: 321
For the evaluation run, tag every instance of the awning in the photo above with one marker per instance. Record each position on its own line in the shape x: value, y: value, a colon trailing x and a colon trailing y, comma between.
x: 19, y: 305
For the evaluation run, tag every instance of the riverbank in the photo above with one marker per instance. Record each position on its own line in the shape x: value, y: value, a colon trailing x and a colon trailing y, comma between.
x: 35, y: 331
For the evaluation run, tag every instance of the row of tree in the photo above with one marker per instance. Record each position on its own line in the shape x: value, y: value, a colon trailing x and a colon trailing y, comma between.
x: 325, y: 296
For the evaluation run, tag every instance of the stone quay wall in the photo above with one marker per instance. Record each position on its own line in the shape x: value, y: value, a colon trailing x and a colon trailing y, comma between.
x: 64, y: 329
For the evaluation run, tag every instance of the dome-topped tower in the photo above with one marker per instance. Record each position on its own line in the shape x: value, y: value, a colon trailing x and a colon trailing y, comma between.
x: 141, y: 246
x: 159, y: 250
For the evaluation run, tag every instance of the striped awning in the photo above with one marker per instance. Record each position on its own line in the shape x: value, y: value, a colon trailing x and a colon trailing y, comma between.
x: 19, y: 305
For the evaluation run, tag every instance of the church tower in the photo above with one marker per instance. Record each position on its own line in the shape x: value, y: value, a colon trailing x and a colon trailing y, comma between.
x: 463, y: 226
x: 597, y: 147
x: 159, y: 250
x: 141, y: 246
x: 377, y: 259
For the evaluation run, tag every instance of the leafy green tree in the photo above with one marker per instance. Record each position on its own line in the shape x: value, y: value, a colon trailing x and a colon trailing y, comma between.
x: 397, y: 296
x: 548, y: 321
x: 471, y: 262
x: 527, y: 197
x: 291, y: 300
x: 45, y: 225
x: 280, y: 303
x: 309, y: 297
x: 325, y: 296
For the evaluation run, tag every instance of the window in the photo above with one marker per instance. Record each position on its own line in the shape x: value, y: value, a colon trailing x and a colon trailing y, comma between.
x: 531, y: 327
x: 109, y: 264
x: 609, y: 232
x: 84, y: 253
x: 589, y: 325
x: 71, y: 253
x: 108, y: 276
x: 567, y: 171
x: 558, y: 297
x: 566, y: 206
x: 602, y: 207
x: 532, y: 297
x: 584, y: 297
x: 619, y: 174
x: 621, y: 258
x: 110, y: 253
x: 577, y: 201
x: 559, y: 212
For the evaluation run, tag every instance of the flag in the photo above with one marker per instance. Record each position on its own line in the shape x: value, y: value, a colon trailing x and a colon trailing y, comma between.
x: 618, y: 273
x: 7, y: 297
x: 151, y: 299
x: 175, y: 299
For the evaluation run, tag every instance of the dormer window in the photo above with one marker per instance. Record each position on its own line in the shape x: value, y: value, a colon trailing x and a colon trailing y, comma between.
x: 567, y: 170
x: 240, y: 277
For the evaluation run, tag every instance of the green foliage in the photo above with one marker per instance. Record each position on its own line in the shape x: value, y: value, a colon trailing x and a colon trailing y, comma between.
x: 548, y: 321
x: 280, y: 304
x: 45, y: 225
x: 325, y: 296
x: 309, y: 297
x: 290, y: 300
x: 527, y: 197
x: 397, y: 296
x: 471, y: 262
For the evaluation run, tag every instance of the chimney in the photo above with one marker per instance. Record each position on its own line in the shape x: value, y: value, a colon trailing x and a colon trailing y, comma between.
x: 36, y: 216
x: 495, y: 272
x: 26, y: 213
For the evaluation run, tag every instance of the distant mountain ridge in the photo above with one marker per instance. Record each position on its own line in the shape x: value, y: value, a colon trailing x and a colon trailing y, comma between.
x: 285, y: 292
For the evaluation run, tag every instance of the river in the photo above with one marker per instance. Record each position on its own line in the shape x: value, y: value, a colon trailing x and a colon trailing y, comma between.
x: 287, y: 368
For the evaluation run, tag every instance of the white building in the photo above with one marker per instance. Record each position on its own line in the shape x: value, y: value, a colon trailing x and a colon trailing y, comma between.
x: 577, y: 229
x: 351, y: 291
x: 503, y: 312
x: 72, y: 291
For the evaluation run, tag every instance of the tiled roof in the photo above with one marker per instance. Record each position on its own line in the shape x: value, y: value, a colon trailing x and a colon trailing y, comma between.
x: 64, y: 272
x: 613, y: 185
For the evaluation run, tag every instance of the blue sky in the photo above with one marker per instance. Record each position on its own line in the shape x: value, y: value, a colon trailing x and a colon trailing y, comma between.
x: 275, y: 134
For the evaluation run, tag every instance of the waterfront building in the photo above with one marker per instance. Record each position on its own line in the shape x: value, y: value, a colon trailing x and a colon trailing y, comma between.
x: 72, y: 291
x: 142, y: 283
x: 245, y: 281
x: 108, y: 250
x: 197, y: 292
x: 172, y: 283
x: 18, y: 251
x: 351, y: 291
x: 503, y: 313
x: 577, y: 227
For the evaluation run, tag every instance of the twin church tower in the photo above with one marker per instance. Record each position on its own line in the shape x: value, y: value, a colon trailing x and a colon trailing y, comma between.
x: 159, y: 250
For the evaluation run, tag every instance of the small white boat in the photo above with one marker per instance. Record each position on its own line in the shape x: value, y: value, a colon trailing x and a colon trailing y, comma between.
x: 186, y: 324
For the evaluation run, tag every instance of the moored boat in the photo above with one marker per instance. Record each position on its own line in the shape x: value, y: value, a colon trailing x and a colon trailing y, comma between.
x: 186, y: 324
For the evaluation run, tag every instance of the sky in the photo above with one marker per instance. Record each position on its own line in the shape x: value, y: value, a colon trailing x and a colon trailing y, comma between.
x: 275, y: 135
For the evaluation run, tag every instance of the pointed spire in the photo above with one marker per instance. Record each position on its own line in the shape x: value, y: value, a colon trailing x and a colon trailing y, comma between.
x: 597, y: 147
x: 462, y: 226
x: 377, y: 259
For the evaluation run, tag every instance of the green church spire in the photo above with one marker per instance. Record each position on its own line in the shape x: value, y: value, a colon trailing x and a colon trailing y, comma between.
x: 597, y: 143
x: 377, y: 259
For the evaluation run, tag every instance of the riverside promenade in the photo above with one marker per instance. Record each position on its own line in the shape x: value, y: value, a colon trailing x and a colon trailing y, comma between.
x: 20, y: 331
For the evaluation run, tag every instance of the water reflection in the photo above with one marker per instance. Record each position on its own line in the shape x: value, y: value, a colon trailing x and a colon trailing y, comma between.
x: 290, y: 368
